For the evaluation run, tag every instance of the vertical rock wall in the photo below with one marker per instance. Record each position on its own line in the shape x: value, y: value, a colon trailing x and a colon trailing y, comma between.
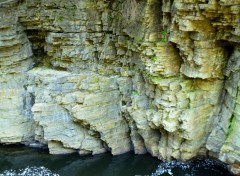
x: 150, y: 76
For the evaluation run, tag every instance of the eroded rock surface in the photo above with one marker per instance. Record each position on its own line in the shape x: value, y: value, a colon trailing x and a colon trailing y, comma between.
x: 150, y: 76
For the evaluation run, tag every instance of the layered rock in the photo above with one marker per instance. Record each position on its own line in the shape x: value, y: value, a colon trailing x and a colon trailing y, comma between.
x: 15, y: 61
x: 96, y: 76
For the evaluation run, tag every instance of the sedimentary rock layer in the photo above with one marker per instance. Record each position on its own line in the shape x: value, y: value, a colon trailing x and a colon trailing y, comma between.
x: 113, y: 76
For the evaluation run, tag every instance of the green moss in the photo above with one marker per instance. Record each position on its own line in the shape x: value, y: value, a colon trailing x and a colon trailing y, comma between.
x: 164, y: 40
x: 154, y: 58
x: 71, y: 8
x: 156, y: 78
x: 48, y: 20
x: 164, y: 33
x: 60, y: 18
x: 232, y: 125
x: 139, y: 40
x: 179, y: 77
x: 135, y: 93
x: 110, y: 18
x: 164, y: 36
x: 150, y: 107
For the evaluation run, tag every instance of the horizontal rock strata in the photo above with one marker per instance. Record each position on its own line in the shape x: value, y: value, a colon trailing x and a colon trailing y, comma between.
x: 113, y: 76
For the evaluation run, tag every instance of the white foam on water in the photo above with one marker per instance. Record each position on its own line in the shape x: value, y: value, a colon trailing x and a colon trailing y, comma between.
x: 29, y: 171
x: 166, y: 167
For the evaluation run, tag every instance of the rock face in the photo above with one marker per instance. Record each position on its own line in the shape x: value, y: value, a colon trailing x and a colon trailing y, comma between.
x: 100, y: 76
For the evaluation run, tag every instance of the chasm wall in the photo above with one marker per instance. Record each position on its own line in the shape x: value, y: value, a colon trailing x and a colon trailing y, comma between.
x: 94, y: 76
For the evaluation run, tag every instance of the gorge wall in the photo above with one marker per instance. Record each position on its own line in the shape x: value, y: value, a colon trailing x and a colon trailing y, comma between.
x: 94, y: 76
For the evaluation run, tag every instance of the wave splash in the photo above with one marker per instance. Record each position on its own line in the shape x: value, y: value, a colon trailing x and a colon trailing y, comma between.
x: 29, y: 171
x: 190, y: 168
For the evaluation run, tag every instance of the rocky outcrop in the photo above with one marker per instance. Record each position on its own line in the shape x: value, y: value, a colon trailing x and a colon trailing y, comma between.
x: 112, y: 76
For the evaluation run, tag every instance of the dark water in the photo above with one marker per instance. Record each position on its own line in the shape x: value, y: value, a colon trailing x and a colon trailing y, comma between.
x: 32, y: 162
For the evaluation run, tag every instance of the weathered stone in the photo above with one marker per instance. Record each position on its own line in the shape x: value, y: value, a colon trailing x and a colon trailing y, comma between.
x: 150, y: 76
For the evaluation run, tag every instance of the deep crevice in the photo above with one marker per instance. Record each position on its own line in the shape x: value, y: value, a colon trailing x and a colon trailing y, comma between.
x: 37, y: 39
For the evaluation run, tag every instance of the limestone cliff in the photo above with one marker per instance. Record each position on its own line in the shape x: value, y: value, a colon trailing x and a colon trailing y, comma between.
x: 94, y: 76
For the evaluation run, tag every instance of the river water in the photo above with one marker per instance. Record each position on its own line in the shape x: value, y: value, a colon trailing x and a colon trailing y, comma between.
x: 22, y: 161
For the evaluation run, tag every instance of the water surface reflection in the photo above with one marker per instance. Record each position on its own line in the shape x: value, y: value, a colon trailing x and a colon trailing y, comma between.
x: 24, y: 161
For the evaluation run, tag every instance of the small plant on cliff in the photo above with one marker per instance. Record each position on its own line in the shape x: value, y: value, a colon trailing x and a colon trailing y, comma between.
x: 164, y: 36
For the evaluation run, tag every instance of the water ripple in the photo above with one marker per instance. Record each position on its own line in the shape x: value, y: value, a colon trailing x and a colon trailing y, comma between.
x: 29, y: 171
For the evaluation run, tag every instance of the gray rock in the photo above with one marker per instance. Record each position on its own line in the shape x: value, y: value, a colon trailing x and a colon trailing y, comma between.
x: 149, y: 76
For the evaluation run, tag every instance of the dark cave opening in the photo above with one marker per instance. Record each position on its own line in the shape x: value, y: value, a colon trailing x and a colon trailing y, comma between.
x: 37, y: 39
x: 228, y: 47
